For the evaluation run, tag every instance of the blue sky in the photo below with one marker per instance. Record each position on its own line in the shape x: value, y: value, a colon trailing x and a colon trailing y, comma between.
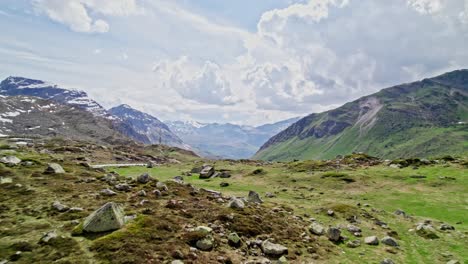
x: 247, y: 62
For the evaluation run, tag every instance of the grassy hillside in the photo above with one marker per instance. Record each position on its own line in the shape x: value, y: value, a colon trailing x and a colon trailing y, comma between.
x: 424, y: 119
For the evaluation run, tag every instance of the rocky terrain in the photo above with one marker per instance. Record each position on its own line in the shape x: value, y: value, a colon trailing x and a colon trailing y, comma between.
x: 59, y: 206
x: 422, y: 119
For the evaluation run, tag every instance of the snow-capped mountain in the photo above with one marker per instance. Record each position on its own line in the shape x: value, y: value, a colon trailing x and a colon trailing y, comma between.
x: 28, y: 87
x: 153, y: 130
x: 226, y: 140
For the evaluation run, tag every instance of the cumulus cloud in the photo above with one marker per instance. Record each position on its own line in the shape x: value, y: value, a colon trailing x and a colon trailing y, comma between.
x: 76, y: 13
x: 426, y: 6
x: 204, y: 84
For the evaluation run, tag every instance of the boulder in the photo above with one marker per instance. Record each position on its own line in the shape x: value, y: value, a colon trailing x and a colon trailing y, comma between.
x: 207, y: 172
x: 273, y: 249
x: 141, y: 193
x: 54, y: 168
x: 205, y: 243
x: 196, y: 169
x: 48, y: 237
x: 203, y: 230
x: 10, y: 160
x: 107, y: 192
x: 317, y: 229
x: 224, y: 184
x: 236, y: 203
x: 334, y: 234
x: 162, y: 187
x: 143, y: 178
x: 179, y: 179
x: 389, y: 241
x: 371, y: 240
x: 270, y: 195
x: 234, y: 239
x: 254, y: 197
x: 107, y: 218
x: 353, y: 243
x: 426, y: 230
x: 353, y: 229
x: 123, y: 187
x: 224, y: 174
x: 445, y: 227
x: 60, y: 207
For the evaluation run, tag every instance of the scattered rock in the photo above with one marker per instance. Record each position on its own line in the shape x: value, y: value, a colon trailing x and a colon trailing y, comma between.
x: 107, y: 192
x: 389, y: 241
x: 204, y: 230
x: 445, y: 227
x: 179, y: 179
x: 334, y: 234
x: 317, y: 229
x: 157, y: 193
x: 353, y: 243
x: 272, y: 249
x: 150, y: 165
x: 47, y: 237
x: 254, y: 197
x: 387, y: 261
x: 270, y: 195
x: 10, y: 160
x: 426, y: 230
x: 400, y: 212
x: 162, y: 187
x: 177, y: 261
x: 224, y: 184
x: 177, y: 254
x: 282, y: 260
x: 453, y: 261
x: 224, y: 174
x: 353, y: 229
x: 143, y: 178
x: 206, y: 172
x: 330, y: 213
x: 205, y: 243
x: 236, y: 203
x: 123, y: 187
x: 371, y: 240
x: 141, y: 193
x: 234, y: 239
x: 54, y: 168
x: 60, y: 207
x: 107, y: 218
x: 75, y: 209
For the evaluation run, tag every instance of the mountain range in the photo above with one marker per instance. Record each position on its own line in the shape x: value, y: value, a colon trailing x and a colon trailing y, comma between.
x: 420, y: 119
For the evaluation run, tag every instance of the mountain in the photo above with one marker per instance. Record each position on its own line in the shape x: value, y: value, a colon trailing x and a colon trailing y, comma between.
x: 152, y: 129
x: 226, y: 140
x: 125, y: 120
x: 32, y: 116
x: 12, y: 86
x: 425, y: 118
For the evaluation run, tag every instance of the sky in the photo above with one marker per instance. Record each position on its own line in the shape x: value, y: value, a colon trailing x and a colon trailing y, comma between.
x: 240, y: 61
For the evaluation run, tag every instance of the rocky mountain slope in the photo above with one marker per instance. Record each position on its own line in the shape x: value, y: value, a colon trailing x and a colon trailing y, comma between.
x: 125, y: 120
x: 425, y: 118
x: 226, y: 140
x: 152, y: 129
x: 32, y: 116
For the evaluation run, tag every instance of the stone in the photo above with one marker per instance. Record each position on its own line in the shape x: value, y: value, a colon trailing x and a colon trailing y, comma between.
x: 453, y: 261
x: 196, y: 169
x: 371, y: 240
x: 334, y: 234
x: 203, y: 230
x: 330, y: 213
x: 400, y: 212
x: 141, y: 193
x: 177, y: 254
x: 272, y: 249
x: 282, y: 260
x: 143, y: 178
x: 254, y: 197
x: 54, y: 168
x: 445, y: 227
x: 205, y: 243
x: 353, y: 243
x: 224, y: 184
x: 206, y: 172
x: 270, y: 195
x: 157, y: 193
x: 236, y: 203
x: 177, y: 261
x: 389, y: 241
x: 107, y: 192
x: 179, y: 179
x: 150, y: 165
x: 353, y: 229
x: 107, y: 218
x: 48, y: 237
x: 234, y: 239
x: 10, y: 160
x: 75, y: 209
x: 123, y: 187
x: 60, y: 207
x: 162, y: 187
x: 317, y: 229
x: 426, y: 230
x: 387, y: 261
x: 224, y: 174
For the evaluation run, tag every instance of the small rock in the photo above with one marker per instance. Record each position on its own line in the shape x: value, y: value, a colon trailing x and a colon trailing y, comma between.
x: 272, y: 249
x: 334, y: 234
x: 387, y: 261
x: 426, y: 230
x: 353, y: 229
x: 206, y: 172
x: 234, y: 240
x: 150, y: 165
x: 389, y: 241
x: 177, y: 261
x: 224, y: 184
x: 141, y: 193
x: 179, y: 179
x: 10, y: 160
x: 60, y: 207
x: 270, y: 195
x: 453, y: 261
x: 282, y: 260
x: 353, y: 243
x: 206, y: 243
x: 236, y: 203
x: 162, y: 187
x: 371, y: 240
x: 157, y: 193
x: 204, y: 230
x: 107, y: 192
x: 75, y: 209
x: 48, y: 237
x: 330, y: 213
x: 143, y: 178
x: 317, y: 229
x: 400, y: 212
x: 177, y: 254
x: 123, y: 187
x: 54, y: 168
x: 224, y: 174
x: 446, y: 227
x: 254, y: 197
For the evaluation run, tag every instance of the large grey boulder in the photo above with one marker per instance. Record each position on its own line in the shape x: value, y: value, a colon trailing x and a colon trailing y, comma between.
x: 54, y: 168
x: 334, y: 234
x: 254, y: 197
x: 107, y: 218
x: 207, y: 172
x: 236, y: 203
x: 273, y: 249
x: 317, y: 229
x: 10, y: 160
x: 371, y: 240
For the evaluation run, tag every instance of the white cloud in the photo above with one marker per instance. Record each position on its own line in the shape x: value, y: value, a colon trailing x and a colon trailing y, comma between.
x: 204, y: 83
x: 426, y: 6
x: 76, y: 13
